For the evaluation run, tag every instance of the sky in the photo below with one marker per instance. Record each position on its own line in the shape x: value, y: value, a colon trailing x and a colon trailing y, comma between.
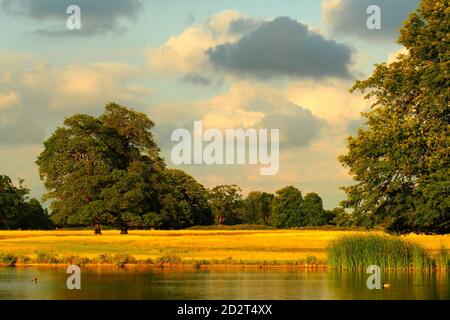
x: 284, y: 64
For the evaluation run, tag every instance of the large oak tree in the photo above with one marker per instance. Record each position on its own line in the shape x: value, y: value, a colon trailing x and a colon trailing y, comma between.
x: 104, y: 170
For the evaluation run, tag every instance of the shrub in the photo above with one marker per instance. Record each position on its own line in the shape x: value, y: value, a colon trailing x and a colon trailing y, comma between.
x: 46, y: 257
x: 104, y: 259
x: 8, y: 259
x: 171, y: 259
x: 122, y: 259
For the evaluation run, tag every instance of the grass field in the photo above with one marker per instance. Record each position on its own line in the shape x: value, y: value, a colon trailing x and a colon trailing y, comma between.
x: 267, y: 247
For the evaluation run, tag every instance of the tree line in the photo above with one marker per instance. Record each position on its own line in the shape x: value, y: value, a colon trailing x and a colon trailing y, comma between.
x: 189, y: 205
x: 107, y: 171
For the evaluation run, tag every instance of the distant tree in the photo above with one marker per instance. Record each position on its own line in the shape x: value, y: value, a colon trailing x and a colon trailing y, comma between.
x: 12, y: 201
x: 312, y: 208
x: 34, y: 217
x: 342, y: 218
x: 258, y: 208
x: 227, y: 204
x: 401, y: 160
x: 329, y: 216
x: 287, y: 208
x: 17, y: 211
x: 102, y: 170
x: 184, y: 202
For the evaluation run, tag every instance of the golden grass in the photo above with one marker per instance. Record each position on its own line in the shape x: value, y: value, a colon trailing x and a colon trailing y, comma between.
x: 254, y: 246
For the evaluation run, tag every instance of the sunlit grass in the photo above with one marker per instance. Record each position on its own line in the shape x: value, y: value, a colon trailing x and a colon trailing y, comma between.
x: 271, y: 247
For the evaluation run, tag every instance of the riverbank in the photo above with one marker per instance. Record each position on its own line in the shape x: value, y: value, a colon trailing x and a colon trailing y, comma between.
x: 188, y: 248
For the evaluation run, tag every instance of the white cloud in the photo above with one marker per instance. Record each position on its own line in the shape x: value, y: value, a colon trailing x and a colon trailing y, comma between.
x: 330, y: 101
x: 185, y: 52
x: 9, y: 100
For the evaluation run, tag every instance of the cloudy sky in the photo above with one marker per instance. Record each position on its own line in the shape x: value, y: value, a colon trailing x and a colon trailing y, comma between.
x: 284, y: 64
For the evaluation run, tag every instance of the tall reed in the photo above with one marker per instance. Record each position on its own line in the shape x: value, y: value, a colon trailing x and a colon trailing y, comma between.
x: 360, y: 251
x: 443, y: 260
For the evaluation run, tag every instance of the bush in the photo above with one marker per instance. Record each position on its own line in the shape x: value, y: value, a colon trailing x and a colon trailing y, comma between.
x: 8, y: 259
x: 46, y: 257
x: 104, y: 259
x: 76, y: 260
x: 122, y: 259
x: 171, y: 259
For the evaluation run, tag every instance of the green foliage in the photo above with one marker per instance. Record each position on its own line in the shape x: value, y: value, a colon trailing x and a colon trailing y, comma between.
x: 122, y: 259
x: 16, y: 211
x: 227, y: 204
x: 258, y: 208
x: 104, y: 259
x: 287, y: 208
x: 151, y: 220
x: 102, y: 170
x: 108, y: 171
x: 443, y: 260
x: 46, y: 257
x: 184, y: 202
x: 312, y: 208
x: 341, y: 218
x: 170, y: 259
x: 401, y: 160
x: 290, y: 210
x: 360, y: 251
x: 8, y: 259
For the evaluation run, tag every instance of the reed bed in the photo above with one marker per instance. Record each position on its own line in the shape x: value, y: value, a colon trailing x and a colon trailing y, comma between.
x: 357, y: 252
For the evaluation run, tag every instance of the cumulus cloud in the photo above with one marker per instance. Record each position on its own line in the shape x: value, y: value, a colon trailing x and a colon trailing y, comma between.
x: 231, y: 44
x: 36, y: 96
x: 9, y: 99
x: 245, y: 105
x: 350, y: 16
x: 284, y: 47
x: 327, y: 100
x: 185, y: 53
x: 243, y: 25
x: 97, y: 16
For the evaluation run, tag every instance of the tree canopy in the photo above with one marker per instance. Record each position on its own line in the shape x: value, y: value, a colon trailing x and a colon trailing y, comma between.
x: 103, y: 170
x: 184, y: 202
x: 400, y: 162
x: 258, y: 208
x: 227, y: 204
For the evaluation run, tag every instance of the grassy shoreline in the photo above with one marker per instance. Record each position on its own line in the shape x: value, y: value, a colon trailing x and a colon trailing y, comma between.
x: 306, y: 249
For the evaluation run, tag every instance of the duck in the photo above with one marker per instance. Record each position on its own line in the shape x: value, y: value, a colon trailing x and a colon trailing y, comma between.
x: 386, y: 285
x: 34, y: 281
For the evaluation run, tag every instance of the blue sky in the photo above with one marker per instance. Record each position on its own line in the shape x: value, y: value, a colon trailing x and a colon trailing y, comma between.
x: 180, y: 61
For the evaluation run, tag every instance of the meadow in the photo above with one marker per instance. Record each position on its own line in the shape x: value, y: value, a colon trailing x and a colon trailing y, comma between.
x: 191, y: 247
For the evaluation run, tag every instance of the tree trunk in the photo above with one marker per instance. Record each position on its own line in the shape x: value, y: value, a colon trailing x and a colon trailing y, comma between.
x: 97, y: 229
x: 124, y: 231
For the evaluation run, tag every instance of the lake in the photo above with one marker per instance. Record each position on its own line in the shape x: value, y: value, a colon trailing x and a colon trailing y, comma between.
x: 261, y: 284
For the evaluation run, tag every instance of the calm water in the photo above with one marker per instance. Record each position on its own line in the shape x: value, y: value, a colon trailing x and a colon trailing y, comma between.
x: 132, y: 283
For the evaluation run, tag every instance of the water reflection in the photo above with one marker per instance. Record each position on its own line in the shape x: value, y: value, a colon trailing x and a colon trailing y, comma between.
x: 133, y: 283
